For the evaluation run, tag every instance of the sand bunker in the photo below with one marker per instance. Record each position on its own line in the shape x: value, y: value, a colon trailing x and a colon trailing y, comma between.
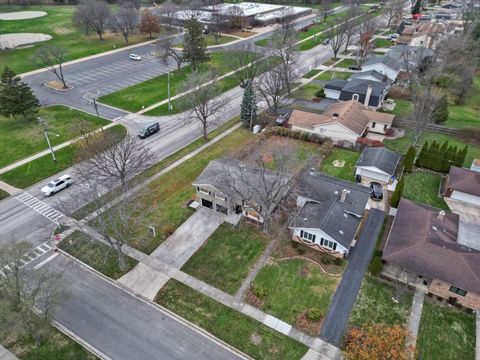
x: 10, y: 41
x: 22, y: 15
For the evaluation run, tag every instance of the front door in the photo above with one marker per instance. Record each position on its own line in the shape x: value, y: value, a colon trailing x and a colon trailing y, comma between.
x: 207, y: 204
x: 222, y: 209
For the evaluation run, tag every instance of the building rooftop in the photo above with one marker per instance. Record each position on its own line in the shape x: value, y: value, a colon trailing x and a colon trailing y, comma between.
x: 385, y: 60
x: 463, y: 180
x: 381, y: 158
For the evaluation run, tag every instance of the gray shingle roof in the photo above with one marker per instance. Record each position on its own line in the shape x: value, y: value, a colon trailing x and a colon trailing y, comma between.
x: 373, y: 73
x: 360, y: 86
x: 335, y: 84
x: 381, y: 158
x: 326, y: 211
x: 387, y: 61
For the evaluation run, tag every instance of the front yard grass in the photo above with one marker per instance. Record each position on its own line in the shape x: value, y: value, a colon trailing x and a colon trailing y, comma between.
x: 292, y: 287
x: 374, y: 304
x: 423, y: 188
x: 20, y: 138
x: 345, y: 63
x: 95, y: 254
x: 226, y: 257
x: 307, y: 92
x: 44, y: 167
x: 311, y: 73
x: 3, y: 194
x: 382, y: 43
x: 329, y: 75
x: 236, y: 329
x: 445, y: 333
x: 347, y: 171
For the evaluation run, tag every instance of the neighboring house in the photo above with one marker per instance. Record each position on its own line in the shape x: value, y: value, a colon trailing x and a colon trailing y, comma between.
x: 463, y: 186
x: 384, y: 65
x: 342, y: 121
x: 409, y: 57
x: 369, y: 92
x: 377, y: 164
x: 475, y: 165
x: 330, y: 213
x: 371, y: 75
x: 229, y: 186
x: 423, y: 243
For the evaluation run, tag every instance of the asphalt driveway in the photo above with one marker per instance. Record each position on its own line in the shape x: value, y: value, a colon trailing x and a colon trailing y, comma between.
x: 342, y: 303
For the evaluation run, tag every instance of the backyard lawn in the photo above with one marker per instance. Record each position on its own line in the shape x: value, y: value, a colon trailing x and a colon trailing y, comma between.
x: 344, y: 171
x: 58, y: 24
x: 236, y: 329
x: 227, y: 256
x: 292, y: 287
x: 402, y: 107
x: 95, y: 254
x: 423, y: 188
x: 374, y: 304
x: 329, y: 75
x: 445, y: 333
x: 468, y: 114
x: 21, y: 138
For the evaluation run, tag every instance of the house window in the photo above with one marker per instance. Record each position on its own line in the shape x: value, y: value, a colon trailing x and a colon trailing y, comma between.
x: 203, y: 190
x: 307, y: 236
x: 355, y: 97
x: 220, y: 197
x: 373, y: 124
x: 457, y: 291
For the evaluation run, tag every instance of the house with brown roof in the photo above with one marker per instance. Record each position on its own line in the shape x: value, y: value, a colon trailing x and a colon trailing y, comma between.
x: 462, y: 186
x: 424, y: 242
x: 341, y: 121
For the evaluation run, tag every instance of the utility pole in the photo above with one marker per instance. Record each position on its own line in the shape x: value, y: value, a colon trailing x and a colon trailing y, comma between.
x: 169, y: 100
x: 43, y: 123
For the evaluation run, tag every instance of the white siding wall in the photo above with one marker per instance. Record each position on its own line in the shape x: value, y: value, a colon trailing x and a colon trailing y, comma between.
x: 383, y: 178
x: 332, y: 94
x: 334, y: 131
x: 318, y: 235
x: 378, y: 127
x: 382, y: 69
x: 468, y: 198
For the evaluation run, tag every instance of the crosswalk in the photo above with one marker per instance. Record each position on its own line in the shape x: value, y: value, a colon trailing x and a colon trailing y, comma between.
x: 40, y: 207
x: 27, y: 258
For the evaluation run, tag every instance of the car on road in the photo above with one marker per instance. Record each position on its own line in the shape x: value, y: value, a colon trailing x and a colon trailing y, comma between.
x: 376, y: 191
x: 355, y: 67
x: 56, y: 185
x: 149, y: 130
x: 326, y: 42
x: 135, y: 57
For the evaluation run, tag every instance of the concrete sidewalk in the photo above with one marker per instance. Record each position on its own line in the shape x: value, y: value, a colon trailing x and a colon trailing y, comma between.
x: 6, y: 355
x: 416, y: 314
x: 9, y: 189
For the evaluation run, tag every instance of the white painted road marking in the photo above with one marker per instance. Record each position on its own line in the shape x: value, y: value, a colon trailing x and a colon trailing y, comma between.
x: 50, y: 258
x: 27, y: 258
x: 39, y: 206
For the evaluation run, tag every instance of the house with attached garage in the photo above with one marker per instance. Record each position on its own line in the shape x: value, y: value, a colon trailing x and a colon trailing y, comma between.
x: 462, y: 186
x: 371, y: 75
x: 229, y: 186
x: 377, y: 164
x: 426, y: 247
x: 330, y: 213
x: 370, y: 93
x: 384, y: 65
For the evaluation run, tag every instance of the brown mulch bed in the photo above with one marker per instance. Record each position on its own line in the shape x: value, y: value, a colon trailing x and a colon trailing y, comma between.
x: 253, y: 299
x: 308, y: 326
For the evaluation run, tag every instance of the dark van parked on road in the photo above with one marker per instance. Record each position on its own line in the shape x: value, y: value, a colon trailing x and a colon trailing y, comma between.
x: 149, y: 130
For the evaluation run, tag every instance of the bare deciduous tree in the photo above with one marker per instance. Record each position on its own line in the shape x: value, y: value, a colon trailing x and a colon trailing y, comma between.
x: 51, y: 57
x: 282, y: 46
x: 392, y: 10
x: 149, y: 23
x: 125, y: 21
x: 167, y: 12
x: 272, y: 88
x: 94, y: 14
x: 244, y: 62
x: 326, y: 6
x: 337, y: 34
x: 166, y: 49
x: 203, y: 99
x: 81, y: 17
x: 366, y: 30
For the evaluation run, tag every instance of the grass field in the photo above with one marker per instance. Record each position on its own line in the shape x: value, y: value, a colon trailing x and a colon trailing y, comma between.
x: 293, y: 287
x: 424, y: 187
x: 307, y: 92
x: 58, y: 24
x: 21, y: 138
x: 224, y: 39
x: 95, y: 254
x: 445, y: 333
x: 347, y: 172
x: 228, y: 325
x: 382, y: 43
x: 329, y: 75
x: 3, y: 194
x: 226, y: 258
x: 468, y: 114
x: 402, y: 107
x: 345, y: 63
x: 44, y: 167
x: 311, y: 73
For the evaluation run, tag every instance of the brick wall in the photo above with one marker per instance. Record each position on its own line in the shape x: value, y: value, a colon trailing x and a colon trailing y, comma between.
x: 440, y: 288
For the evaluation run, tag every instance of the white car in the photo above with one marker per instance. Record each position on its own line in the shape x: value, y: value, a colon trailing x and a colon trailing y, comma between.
x: 135, y: 57
x: 56, y: 185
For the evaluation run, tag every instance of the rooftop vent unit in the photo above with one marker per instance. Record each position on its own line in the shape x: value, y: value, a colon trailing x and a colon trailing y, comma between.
x: 335, y: 115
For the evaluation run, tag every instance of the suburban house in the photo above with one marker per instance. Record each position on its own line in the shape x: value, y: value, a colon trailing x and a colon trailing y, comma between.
x: 409, y: 57
x: 462, y: 186
x: 384, y: 65
x: 229, y: 186
x: 425, y: 34
x: 371, y: 93
x: 377, y: 164
x: 330, y: 212
x: 371, y: 75
x: 475, y: 165
x: 341, y: 121
x: 424, y: 243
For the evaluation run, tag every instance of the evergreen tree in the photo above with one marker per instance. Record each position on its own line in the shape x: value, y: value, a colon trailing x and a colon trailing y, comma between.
x: 443, y: 164
x: 409, y: 159
x: 434, y: 158
x: 248, y: 109
x: 398, y: 193
x: 461, y: 155
x: 450, y: 156
x: 195, y: 44
x: 421, y: 159
x: 16, y: 97
x: 440, y: 113
x: 417, y: 7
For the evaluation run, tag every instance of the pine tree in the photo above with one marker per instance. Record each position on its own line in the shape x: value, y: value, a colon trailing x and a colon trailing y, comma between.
x: 195, y: 44
x: 444, y: 165
x: 409, y: 159
x: 398, y: 193
x: 248, y: 109
x: 440, y: 113
x: 434, y: 157
x: 450, y: 157
x: 16, y: 97
x: 421, y: 159
x: 461, y: 155
x: 417, y: 7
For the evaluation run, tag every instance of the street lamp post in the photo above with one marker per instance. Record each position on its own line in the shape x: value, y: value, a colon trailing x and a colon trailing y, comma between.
x: 44, y: 124
x: 96, y: 106
x: 169, y: 100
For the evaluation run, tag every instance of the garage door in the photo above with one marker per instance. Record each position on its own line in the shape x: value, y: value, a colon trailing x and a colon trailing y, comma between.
x: 207, y: 204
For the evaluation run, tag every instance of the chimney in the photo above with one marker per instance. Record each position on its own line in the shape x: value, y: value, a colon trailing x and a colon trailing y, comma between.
x: 368, y: 95
x: 441, y: 216
x: 343, y: 197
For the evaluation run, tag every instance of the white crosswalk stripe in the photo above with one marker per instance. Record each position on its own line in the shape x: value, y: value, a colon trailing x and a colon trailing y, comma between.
x: 40, y: 207
x: 27, y: 258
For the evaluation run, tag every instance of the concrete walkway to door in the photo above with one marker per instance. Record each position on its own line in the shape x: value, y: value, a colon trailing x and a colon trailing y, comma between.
x: 175, y: 251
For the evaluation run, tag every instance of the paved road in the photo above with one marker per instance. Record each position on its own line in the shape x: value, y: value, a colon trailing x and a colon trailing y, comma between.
x: 342, y: 303
x: 123, y: 327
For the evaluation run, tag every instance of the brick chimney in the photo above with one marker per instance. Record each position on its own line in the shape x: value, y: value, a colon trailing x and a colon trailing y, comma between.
x: 368, y: 95
x: 441, y: 216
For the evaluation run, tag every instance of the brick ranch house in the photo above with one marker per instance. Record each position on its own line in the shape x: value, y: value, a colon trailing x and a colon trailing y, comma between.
x: 425, y: 243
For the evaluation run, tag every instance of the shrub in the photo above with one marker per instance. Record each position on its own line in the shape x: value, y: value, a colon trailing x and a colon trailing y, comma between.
x: 294, y: 244
x: 376, y: 266
x: 320, y: 93
x: 168, y: 230
x: 300, y: 251
x: 314, y: 314
x: 326, y: 260
x: 338, y: 261
x: 260, y: 292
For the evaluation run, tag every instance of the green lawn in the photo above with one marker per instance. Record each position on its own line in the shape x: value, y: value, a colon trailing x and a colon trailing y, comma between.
x: 155, y: 90
x: 293, y: 287
x: 329, y: 75
x: 374, y: 304
x: 382, y: 43
x: 402, y: 107
x: 44, y: 167
x: 95, y: 254
x: 307, y: 92
x: 424, y: 187
x: 228, y: 325
x: 58, y: 24
x: 445, y: 333
x: 311, y: 73
x: 345, y: 63
x: 310, y: 43
x: 3, y: 194
x: 224, y: 39
x: 21, y: 138
x: 347, y: 172
x: 468, y: 114
x: 226, y: 258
